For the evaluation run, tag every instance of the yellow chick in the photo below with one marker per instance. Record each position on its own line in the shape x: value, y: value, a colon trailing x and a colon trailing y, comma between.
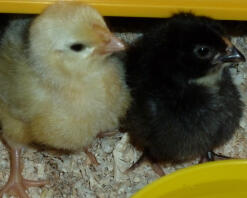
x: 59, y: 86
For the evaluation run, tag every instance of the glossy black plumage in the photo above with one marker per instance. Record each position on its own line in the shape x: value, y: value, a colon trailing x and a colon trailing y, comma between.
x: 184, y: 100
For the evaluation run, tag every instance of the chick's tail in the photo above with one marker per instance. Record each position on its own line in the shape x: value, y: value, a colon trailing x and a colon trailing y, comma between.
x: 16, y: 184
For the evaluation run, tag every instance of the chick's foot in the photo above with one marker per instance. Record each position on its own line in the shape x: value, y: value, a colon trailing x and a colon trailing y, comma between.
x: 16, y: 184
x: 156, y: 167
x: 91, y: 156
x: 212, y: 156
x: 106, y: 134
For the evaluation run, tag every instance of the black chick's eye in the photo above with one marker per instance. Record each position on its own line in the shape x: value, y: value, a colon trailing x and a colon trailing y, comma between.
x: 77, y: 47
x: 203, y: 52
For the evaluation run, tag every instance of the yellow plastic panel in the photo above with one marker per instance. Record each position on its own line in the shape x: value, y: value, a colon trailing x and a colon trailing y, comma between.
x: 219, y: 9
x: 222, y: 179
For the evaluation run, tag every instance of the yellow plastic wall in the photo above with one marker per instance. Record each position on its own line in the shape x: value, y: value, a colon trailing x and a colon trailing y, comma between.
x: 222, y: 179
x: 218, y: 9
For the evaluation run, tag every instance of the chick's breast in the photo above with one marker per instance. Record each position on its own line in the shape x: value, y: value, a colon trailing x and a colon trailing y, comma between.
x: 71, y: 121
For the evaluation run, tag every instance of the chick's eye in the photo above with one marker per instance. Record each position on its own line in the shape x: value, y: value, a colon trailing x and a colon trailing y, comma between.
x: 203, y: 52
x: 77, y: 47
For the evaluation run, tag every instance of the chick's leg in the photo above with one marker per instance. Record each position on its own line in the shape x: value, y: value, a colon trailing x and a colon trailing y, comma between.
x: 16, y: 183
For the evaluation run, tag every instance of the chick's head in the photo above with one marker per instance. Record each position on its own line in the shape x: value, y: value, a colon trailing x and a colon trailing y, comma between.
x: 68, y: 37
x: 198, y: 45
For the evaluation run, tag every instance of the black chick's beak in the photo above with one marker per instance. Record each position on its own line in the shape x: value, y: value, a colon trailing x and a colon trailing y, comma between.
x: 232, y: 55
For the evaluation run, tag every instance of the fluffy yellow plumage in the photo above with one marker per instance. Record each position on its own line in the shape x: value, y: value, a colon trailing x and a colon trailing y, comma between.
x: 59, y: 86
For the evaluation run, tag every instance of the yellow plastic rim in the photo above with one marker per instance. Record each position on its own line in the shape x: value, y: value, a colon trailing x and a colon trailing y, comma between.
x: 222, y: 179
x: 218, y: 9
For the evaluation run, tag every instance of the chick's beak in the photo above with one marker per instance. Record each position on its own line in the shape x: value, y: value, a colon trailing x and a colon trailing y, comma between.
x: 110, y: 43
x: 113, y: 45
x: 232, y: 55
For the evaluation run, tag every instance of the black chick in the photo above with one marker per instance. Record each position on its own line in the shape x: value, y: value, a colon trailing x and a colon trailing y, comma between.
x: 184, y: 100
